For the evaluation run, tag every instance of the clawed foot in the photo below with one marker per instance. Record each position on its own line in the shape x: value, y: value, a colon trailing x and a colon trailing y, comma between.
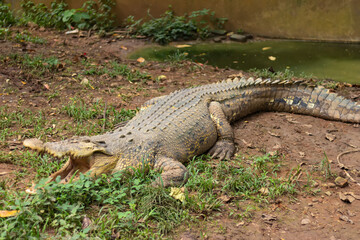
x: 223, y: 149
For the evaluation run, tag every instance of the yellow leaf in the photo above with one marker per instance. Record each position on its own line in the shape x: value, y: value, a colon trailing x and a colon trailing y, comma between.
x: 266, y: 48
x: 23, y: 82
x: 272, y: 58
x: 178, y: 193
x: 140, y: 59
x: 123, y: 47
x: 183, y: 46
x: 161, y: 77
x: 4, y: 213
x: 185, y: 53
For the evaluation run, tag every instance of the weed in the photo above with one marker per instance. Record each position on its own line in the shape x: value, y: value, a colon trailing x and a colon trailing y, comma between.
x: 36, y: 123
x: 282, y: 75
x: 43, y: 165
x: 325, y: 167
x: 38, y: 65
x: 5, y: 33
x: 177, y: 58
x: 6, y: 16
x: 124, y: 206
x: 169, y: 27
x: 82, y: 112
x: 114, y: 69
x: 26, y: 37
x: 92, y: 15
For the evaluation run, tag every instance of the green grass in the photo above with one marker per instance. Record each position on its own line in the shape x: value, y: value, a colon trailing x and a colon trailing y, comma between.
x: 42, y: 164
x: 282, y: 75
x: 25, y: 123
x: 239, y: 180
x: 27, y: 37
x: 105, y: 115
x: 114, y: 69
x: 36, y: 65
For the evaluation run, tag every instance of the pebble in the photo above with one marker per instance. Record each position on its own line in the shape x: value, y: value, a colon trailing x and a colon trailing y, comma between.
x: 305, y: 221
x: 328, y: 193
x: 341, y: 182
x: 84, y: 81
x: 238, y: 37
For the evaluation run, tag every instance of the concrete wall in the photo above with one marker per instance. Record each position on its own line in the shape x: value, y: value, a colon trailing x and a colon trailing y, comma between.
x: 332, y: 20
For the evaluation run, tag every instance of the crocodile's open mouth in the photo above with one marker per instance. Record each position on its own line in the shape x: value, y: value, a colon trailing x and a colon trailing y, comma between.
x: 84, y: 156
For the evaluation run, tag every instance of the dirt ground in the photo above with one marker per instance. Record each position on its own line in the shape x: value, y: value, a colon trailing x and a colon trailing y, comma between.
x: 302, y: 140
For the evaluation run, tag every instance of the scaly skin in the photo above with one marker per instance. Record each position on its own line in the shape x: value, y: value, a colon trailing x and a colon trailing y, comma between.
x: 171, y: 129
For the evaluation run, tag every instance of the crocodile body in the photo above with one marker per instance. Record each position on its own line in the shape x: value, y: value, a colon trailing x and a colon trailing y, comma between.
x: 171, y: 129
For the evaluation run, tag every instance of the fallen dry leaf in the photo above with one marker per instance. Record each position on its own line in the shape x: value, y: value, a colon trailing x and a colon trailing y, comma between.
x: 183, y: 46
x: 140, y: 60
x: 266, y: 48
x: 248, y: 145
x: 4, y: 173
x: 5, y: 213
x: 330, y: 137
x: 161, y: 78
x: 274, y: 134
x: 177, y: 193
x: 225, y: 198
x: 272, y: 58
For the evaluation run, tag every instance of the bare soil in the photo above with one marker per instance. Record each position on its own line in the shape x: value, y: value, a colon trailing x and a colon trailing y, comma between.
x: 302, y: 140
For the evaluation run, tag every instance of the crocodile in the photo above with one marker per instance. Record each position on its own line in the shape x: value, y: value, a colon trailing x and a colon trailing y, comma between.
x: 169, y: 130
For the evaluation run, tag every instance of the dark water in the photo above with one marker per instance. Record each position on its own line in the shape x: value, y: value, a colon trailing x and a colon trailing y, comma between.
x: 337, y: 61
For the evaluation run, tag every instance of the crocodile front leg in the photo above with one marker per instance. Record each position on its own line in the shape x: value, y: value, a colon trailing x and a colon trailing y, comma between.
x: 173, y: 173
x: 224, y: 147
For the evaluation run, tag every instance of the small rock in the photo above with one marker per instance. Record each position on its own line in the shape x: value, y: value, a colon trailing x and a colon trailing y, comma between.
x: 345, y: 198
x: 331, y: 185
x: 86, y: 223
x: 220, y: 32
x: 238, y: 37
x: 330, y: 137
x: 341, y: 182
x: 328, y: 193
x: 268, y: 218
x: 76, y: 31
x: 305, y: 221
x: 218, y: 39
x: 32, y: 25
x: 42, y: 29
x: 264, y: 191
x: 242, y: 223
x: 346, y: 219
x: 84, y: 81
x: 249, y: 36
x: 115, y: 84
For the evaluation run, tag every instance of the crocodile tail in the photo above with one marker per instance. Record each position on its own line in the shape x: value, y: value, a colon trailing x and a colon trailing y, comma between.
x: 314, y: 101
